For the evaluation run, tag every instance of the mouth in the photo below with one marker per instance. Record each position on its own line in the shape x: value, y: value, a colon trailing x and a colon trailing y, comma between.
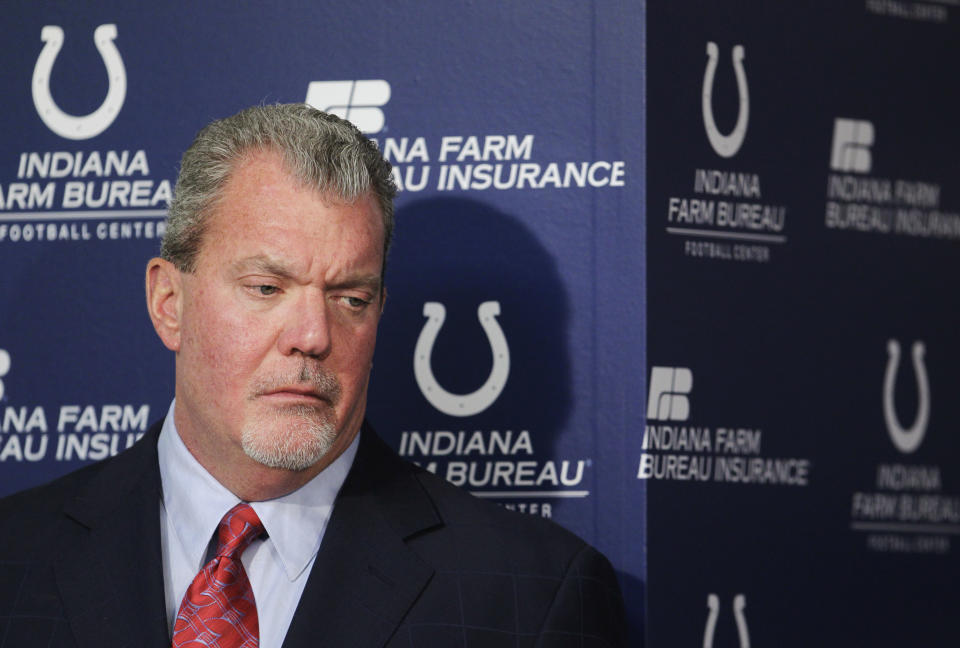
x: 299, y: 393
x: 310, y: 386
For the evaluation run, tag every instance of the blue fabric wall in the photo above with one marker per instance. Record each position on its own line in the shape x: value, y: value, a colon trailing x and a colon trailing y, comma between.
x: 718, y: 243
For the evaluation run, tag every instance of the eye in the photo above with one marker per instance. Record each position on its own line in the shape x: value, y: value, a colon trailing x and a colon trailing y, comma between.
x: 266, y: 290
x: 354, y: 302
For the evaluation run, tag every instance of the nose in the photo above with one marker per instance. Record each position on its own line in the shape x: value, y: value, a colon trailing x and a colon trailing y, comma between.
x: 306, y: 327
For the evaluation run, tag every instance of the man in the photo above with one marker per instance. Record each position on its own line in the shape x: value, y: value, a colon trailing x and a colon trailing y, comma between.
x: 262, y: 510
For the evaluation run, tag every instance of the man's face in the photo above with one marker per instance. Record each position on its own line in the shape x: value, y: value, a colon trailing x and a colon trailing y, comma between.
x: 278, y: 323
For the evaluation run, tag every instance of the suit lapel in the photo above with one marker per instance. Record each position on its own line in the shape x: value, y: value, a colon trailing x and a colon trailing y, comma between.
x: 365, y: 579
x: 363, y: 582
x: 109, y: 570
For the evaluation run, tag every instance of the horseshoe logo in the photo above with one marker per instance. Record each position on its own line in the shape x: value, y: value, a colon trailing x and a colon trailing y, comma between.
x: 713, y: 605
x: 4, y: 367
x: 481, y: 399
x: 725, y: 145
x: 64, y: 125
x: 906, y: 440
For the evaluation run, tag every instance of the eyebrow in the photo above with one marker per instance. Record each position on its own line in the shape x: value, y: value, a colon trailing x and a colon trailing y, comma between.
x: 262, y: 263
x: 370, y: 282
x: 268, y: 265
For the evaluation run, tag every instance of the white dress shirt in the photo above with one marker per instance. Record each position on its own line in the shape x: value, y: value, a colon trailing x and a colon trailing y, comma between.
x: 191, y: 508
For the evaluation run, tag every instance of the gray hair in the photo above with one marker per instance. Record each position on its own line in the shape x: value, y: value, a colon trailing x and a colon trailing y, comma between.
x: 319, y: 149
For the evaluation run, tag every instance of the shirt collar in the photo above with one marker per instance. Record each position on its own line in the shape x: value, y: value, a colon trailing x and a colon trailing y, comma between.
x: 196, y: 502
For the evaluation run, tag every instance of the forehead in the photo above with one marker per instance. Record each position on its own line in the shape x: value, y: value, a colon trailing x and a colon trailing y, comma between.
x: 264, y: 206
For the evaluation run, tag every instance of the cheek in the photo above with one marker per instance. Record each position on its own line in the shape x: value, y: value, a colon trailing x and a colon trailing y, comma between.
x: 222, y: 344
x: 358, y: 357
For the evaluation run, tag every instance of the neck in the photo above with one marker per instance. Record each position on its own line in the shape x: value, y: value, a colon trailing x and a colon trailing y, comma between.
x: 250, y: 480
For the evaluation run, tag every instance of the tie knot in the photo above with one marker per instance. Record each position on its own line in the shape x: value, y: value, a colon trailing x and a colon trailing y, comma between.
x: 237, y: 530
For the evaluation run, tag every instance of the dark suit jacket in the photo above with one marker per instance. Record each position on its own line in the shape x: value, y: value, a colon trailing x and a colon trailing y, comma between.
x: 407, y: 560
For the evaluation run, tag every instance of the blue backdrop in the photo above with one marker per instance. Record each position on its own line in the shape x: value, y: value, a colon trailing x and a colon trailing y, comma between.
x: 681, y: 277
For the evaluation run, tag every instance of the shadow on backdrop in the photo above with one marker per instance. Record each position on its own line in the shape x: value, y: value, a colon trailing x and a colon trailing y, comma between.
x: 462, y: 253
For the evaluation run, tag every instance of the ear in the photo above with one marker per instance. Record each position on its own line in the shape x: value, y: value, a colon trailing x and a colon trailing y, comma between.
x: 383, y: 299
x: 164, y: 301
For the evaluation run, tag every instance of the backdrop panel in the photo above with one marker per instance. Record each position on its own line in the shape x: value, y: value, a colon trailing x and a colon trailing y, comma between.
x: 510, y: 357
x: 802, y: 257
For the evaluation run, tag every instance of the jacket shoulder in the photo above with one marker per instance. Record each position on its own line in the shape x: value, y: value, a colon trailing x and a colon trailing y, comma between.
x: 460, y: 509
x: 35, y: 511
x: 38, y: 512
x: 501, y: 564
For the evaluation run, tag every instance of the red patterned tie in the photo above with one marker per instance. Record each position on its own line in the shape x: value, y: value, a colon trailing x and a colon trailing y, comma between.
x: 218, y: 610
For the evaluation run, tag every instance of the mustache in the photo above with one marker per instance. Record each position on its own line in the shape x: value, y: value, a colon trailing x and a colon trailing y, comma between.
x: 319, y: 380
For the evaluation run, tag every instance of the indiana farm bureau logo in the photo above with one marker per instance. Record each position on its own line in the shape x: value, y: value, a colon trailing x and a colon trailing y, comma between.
x: 81, y: 194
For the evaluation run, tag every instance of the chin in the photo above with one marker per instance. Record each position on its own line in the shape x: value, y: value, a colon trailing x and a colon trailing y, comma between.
x: 293, y: 439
